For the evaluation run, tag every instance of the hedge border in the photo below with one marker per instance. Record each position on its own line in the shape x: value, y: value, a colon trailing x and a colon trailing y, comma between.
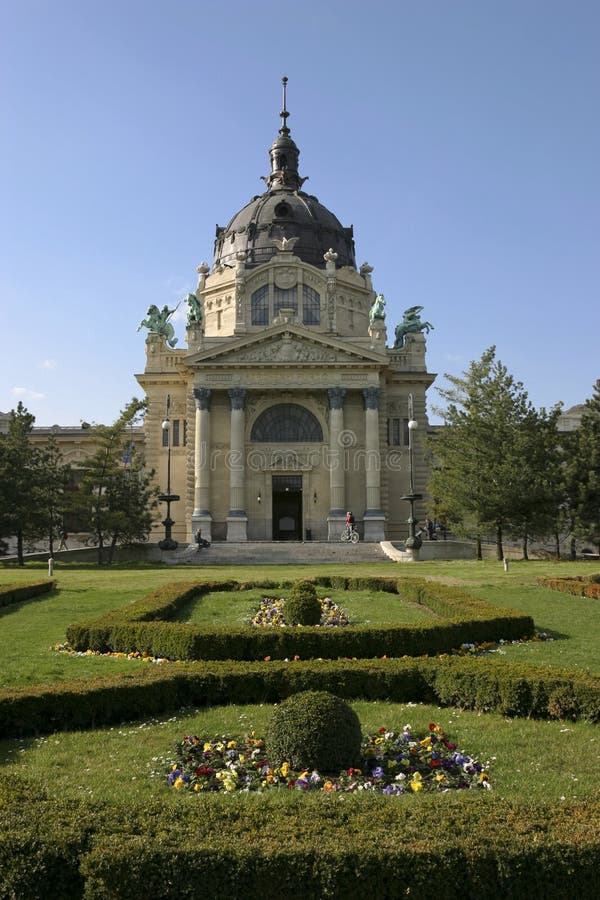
x: 479, y: 684
x: 469, y: 846
x: 577, y: 585
x: 144, y: 626
x: 16, y: 593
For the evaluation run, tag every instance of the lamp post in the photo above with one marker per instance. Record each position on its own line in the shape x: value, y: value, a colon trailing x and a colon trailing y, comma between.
x: 413, y: 542
x: 168, y: 543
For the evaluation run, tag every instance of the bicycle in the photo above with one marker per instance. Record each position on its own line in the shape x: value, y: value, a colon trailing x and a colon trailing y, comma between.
x: 349, y: 535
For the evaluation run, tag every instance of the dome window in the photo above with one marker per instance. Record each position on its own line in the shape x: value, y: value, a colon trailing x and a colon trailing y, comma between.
x: 283, y: 211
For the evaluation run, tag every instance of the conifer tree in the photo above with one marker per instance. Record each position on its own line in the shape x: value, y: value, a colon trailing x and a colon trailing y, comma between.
x: 580, y: 509
x: 19, y: 480
x: 490, y: 456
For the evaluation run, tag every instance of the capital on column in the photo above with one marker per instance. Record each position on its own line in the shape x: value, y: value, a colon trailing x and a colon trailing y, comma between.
x: 202, y: 398
x: 237, y: 397
x: 371, y: 397
x: 336, y: 397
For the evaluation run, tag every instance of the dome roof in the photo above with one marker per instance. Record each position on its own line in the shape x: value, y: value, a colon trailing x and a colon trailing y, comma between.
x: 284, y: 211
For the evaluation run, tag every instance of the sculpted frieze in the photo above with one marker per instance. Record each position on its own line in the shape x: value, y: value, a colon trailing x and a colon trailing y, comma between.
x: 288, y: 350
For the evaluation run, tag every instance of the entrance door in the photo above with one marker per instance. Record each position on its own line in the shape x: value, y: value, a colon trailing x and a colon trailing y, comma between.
x: 287, y: 507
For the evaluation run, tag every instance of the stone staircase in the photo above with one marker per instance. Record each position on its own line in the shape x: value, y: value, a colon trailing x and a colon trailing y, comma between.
x: 250, y: 553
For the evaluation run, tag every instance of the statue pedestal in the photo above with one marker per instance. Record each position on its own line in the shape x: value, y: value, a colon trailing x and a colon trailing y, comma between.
x: 378, y: 334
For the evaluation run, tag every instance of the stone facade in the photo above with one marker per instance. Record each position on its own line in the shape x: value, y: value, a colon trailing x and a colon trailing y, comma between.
x: 337, y: 437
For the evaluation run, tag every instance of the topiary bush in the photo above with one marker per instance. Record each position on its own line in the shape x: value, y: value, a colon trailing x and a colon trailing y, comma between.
x: 314, y: 730
x: 302, y: 606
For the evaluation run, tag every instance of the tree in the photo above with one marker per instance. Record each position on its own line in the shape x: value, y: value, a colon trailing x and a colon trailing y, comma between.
x: 538, y: 481
x: 489, y: 471
x: 116, y: 492
x: 19, y: 480
x: 54, y: 491
x: 581, y: 476
x: 34, y: 484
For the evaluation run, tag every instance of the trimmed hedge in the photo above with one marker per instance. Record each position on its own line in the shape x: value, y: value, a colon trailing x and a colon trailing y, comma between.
x: 578, y: 585
x: 478, y: 684
x: 15, y: 593
x: 463, y: 618
x: 468, y: 846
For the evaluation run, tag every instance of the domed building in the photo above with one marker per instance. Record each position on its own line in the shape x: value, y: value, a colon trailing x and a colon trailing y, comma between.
x: 287, y: 408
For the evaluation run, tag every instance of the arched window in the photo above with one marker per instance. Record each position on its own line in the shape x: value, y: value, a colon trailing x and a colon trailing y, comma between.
x: 311, y: 306
x: 259, y: 306
x: 286, y: 422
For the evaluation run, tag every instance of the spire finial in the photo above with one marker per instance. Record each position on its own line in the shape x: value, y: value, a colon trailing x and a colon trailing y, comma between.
x: 284, y: 113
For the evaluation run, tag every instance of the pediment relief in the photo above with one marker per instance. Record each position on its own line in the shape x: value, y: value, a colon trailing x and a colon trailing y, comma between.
x: 286, y: 345
x: 289, y: 349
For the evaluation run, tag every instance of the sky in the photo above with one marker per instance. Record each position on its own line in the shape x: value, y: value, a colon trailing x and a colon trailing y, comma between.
x: 461, y: 139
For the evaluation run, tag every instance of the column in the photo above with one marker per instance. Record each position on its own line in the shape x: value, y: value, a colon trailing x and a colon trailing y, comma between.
x: 201, y: 517
x: 374, y: 518
x: 337, y: 475
x: 237, y: 519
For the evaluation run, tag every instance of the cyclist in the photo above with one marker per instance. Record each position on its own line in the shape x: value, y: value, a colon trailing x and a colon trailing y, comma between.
x: 349, y: 522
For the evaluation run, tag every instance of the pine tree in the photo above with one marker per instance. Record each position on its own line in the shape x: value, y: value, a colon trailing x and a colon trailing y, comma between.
x: 19, y: 480
x: 580, y: 509
x: 491, y: 454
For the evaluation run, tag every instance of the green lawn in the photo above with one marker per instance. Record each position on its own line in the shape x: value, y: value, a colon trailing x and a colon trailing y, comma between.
x: 30, y: 629
x: 362, y: 607
x: 528, y: 761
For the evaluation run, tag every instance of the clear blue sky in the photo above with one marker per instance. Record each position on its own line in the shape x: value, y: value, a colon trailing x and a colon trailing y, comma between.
x: 460, y: 138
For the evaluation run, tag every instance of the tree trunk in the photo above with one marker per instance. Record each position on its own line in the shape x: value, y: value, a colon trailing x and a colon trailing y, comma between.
x: 111, y: 551
x: 20, y: 557
x: 572, y: 549
x: 557, y: 544
x: 478, y: 542
x: 499, y: 548
x: 525, y: 541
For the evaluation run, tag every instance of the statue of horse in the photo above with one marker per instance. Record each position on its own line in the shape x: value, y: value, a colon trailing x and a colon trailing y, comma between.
x: 410, y: 324
x: 194, y: 310
x: 157, y: 323
x: 377, y: 311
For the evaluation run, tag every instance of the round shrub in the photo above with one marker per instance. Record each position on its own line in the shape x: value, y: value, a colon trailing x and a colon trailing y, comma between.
x: 314, y: 730
x: 302, y: 606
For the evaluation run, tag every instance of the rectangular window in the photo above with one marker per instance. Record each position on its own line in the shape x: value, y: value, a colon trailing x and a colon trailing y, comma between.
x: 398, y: 432
x: 176, y: 432
x: 165, y: 437
x: 405, y: 439
x: 311, y: 306
x: 259, y: 306
x: 285, y: 298
x: 185, y: 432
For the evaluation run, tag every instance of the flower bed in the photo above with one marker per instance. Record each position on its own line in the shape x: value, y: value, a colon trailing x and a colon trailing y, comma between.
x: 392, y: 763
x: 271, y: 612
